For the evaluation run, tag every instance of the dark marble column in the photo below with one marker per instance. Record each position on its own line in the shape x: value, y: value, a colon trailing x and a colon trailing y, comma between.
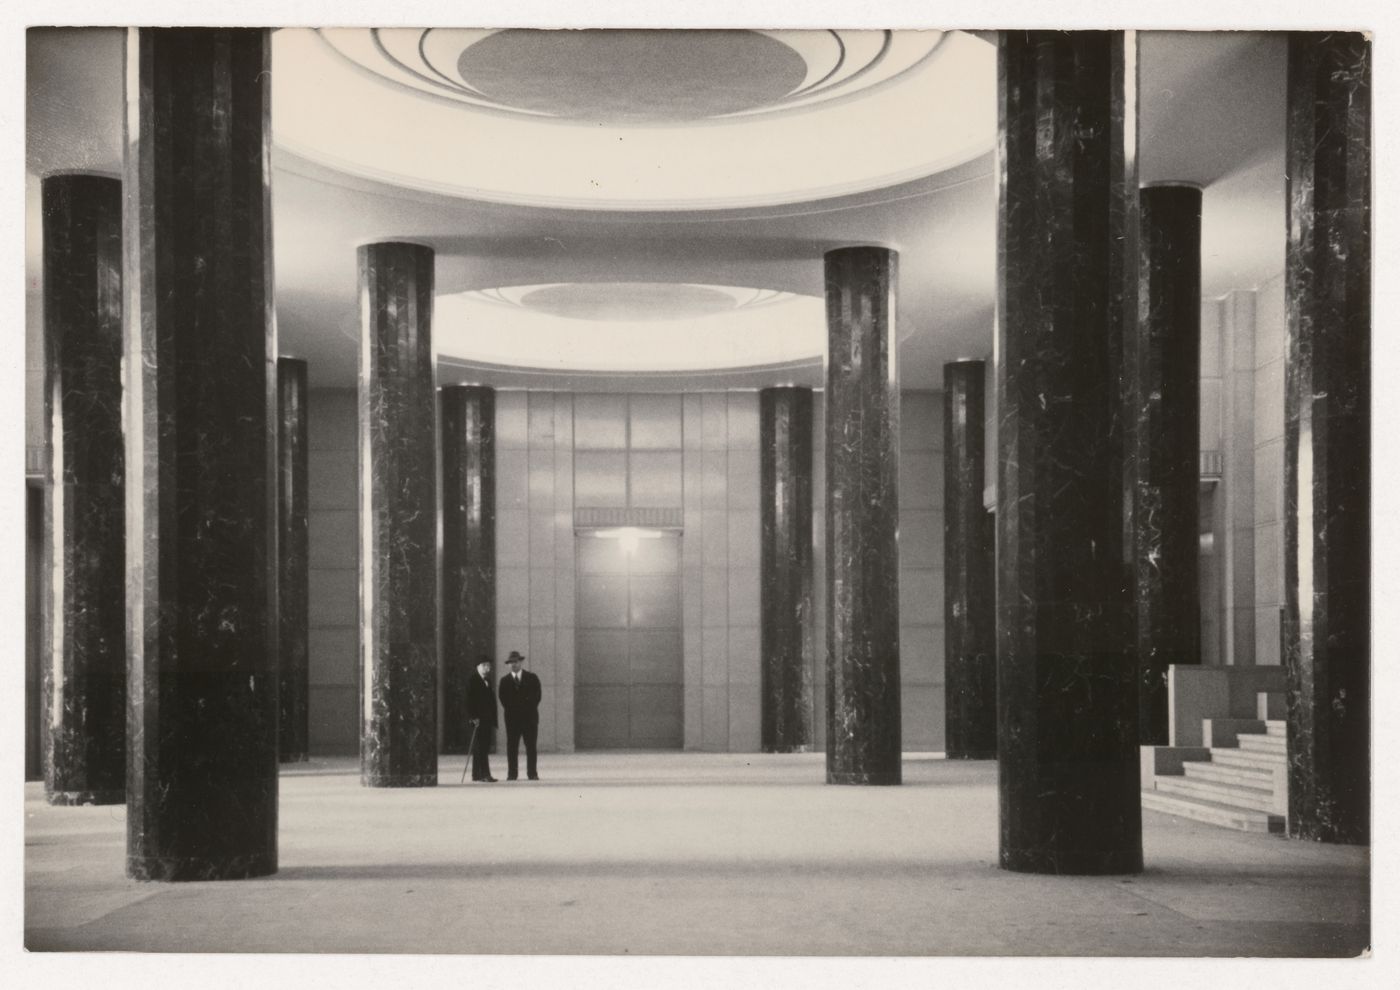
x: 969, y: 568
x: 468, y: 549
x: 292, y: 562
x: 785, y: 568
x: 1164, y: 382
x: 1327, y: 437
x: 1067, y: 284
x: 35, y: 595
x: 201, y: 442
x: 398, y: 518
x: 862, y: 518
x: 84, y: 663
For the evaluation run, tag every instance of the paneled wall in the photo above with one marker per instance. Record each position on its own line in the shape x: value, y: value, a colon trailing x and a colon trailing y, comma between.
x: 535, y: 493
x: 719, y: 571
x: 695, y: 455
x: 1234, y: 537
x: 1243, y: 341
x: 1270, y: 346
x: 334, y: 571
x: 921, y: 644
x: 1212, y: 499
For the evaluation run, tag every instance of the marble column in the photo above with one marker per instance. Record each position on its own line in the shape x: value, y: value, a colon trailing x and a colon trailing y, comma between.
x: 862, y: 518
x: 1067, y: 285
x: 785, y: 569
x: 36, y: 588
x: 969, y: 569
x: 84, y: 664
x: 398, y: 518
x: 201, y: 444
x: 1327, y: 437
x: 468, y: 549
x: 292, y: 563
x: 1164, y: 381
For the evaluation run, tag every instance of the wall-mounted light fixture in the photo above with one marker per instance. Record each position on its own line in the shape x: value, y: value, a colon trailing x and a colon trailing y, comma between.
x: 628, y: 537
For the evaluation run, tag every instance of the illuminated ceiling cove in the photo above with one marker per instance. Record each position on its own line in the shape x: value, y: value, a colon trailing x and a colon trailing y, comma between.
x: 629, y: 326
x: 634, y: 119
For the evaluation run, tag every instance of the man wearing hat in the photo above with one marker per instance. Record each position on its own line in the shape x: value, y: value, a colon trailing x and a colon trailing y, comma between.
x: 520, y: 699
x: 481, y: 710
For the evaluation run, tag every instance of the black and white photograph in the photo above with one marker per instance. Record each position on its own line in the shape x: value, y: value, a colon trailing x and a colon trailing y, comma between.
x: 520, y: 496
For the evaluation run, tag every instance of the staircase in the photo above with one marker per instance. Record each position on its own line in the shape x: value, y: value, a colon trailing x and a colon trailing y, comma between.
x: 1238, y: 780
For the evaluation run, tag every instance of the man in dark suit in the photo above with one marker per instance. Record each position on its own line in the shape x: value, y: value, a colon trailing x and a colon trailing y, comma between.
x: 481, y: 711
x: 520, y: 698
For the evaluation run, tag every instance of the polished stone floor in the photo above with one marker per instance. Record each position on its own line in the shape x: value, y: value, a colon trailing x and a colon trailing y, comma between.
x: 685, y: 854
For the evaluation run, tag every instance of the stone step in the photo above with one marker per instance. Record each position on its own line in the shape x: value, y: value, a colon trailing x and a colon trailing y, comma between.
x: 1276, y: 727
x: 1230, y: 795
x: 1235, y: 776
x: 1212, y: 813
x: 1264, y: 744
x: 1247, y: 758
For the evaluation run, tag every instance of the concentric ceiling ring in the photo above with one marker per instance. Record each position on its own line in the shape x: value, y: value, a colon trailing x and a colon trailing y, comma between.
x: 633, y: 120
x: 631, y: 302
x: 630, y: 76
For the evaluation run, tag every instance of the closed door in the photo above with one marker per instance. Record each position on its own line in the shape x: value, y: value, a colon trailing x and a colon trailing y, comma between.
x: 629, y: 673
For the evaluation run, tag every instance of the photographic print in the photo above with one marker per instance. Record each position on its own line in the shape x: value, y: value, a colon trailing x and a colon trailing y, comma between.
x: 710, y: 492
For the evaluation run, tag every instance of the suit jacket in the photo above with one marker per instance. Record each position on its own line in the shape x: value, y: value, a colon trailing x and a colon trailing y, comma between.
x: 481, y: 700
x: 521, y: 703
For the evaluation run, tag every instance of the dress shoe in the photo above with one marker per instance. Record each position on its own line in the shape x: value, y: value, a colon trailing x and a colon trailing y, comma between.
x: 484, y: 780
x: 512, y: 777
x: 534, y: 776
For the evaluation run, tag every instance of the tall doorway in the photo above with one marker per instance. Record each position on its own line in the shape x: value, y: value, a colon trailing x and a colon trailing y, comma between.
x: 629, y: 677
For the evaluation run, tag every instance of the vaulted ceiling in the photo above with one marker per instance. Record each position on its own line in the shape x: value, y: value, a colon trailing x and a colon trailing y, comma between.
x: 648, y: 210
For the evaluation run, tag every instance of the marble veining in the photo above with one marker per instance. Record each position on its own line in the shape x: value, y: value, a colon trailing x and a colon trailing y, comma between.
x: 1163, y: 482
x: 201, y: 443
x: 785, y: 569
x: 83, y: 684
x: 969, y: 569
x: 468, y: 549
x: 1067, y: 285
x: 1327, y: 437
x: 863, y: 738
x: 293, y: 563
x: 398, y: 517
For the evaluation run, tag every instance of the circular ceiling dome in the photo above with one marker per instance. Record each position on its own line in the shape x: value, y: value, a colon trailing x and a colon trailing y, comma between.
x: 634, y: 120
x: 632, y: 76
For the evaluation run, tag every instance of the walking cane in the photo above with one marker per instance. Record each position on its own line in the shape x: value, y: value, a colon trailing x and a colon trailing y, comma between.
x: 471, y: 749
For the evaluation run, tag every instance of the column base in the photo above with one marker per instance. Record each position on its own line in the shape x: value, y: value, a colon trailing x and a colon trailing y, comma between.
x: 972, y: 754
x: 67, y: 798
x: 876, y: 778
x: 1078, y: 862
x: 179, y: 869
x: 793, y: 748
x: 1345, y: 834
x: 368, y: 779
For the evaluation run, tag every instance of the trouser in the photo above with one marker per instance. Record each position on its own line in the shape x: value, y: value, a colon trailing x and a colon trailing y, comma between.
x: 515, y: 731
x: 481, y: 748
